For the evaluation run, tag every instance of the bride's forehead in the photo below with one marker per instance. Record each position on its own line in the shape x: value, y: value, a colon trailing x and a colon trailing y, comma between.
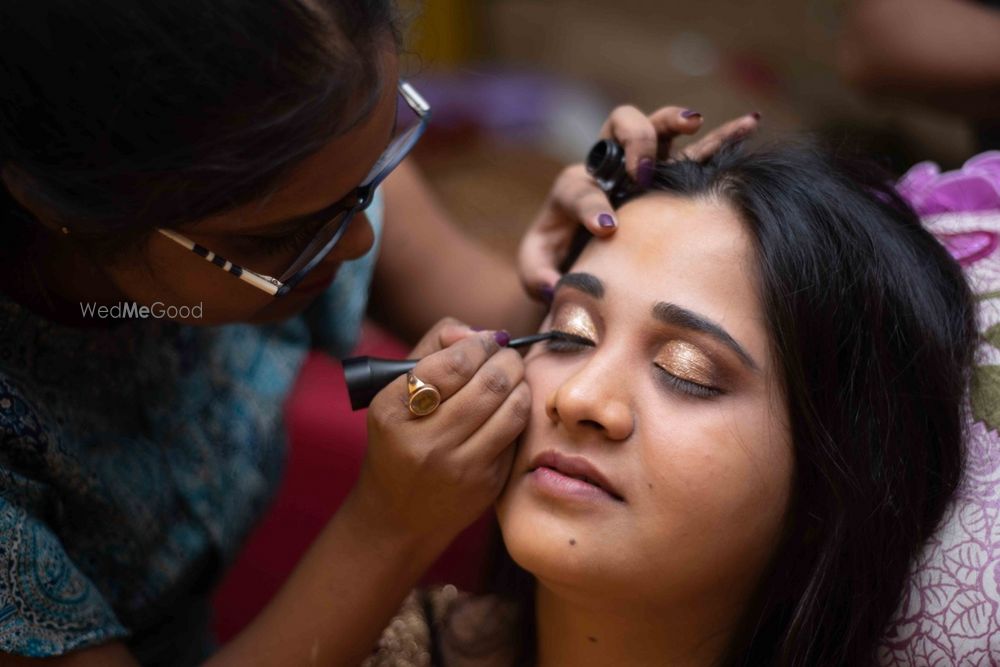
x: 691, y: 252
x: 660, y: 233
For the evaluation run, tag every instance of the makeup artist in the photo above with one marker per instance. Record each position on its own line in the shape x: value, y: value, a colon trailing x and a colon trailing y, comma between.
x: 216, y: 163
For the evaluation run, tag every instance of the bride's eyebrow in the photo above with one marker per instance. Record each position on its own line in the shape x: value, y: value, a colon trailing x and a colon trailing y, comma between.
x: 674, y: 315
x: 583, y: 282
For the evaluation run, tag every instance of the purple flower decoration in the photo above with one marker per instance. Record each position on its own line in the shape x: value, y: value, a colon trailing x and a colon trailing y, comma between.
x: 974, y: 188
x: 969, y: 247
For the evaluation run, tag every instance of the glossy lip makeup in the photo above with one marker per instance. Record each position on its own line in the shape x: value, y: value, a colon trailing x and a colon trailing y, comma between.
x: 571, y: 478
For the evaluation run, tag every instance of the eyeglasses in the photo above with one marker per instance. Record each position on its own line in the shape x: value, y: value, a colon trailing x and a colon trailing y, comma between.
x: 341, y: 213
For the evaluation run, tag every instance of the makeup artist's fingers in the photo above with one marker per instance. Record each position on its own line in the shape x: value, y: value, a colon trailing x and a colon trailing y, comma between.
x: 420, y: 472
x: 670, y: 122
x: 444, y: 333
x: 575, y: 200
x: 648, y: 138
x: 454, y: 367
x: 735, y: 130
x: 473, y: 386
x: 493, y: 440
x: 577, y: 196
x: 539, y: 280
x: 631, y: 128
x: 477, y: 402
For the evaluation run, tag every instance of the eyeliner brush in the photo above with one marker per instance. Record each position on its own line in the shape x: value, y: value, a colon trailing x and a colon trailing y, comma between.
x: 524, y: 341
x: 366, y: 376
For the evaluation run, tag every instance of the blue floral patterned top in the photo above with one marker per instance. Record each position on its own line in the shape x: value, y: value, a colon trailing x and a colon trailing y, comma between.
x: 134, y: 460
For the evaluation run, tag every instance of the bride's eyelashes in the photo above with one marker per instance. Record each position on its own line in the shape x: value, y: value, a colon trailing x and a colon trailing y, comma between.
x: 674, y: 383
x: 563, y: 341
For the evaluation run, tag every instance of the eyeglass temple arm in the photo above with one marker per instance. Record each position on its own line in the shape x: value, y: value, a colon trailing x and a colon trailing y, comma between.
x: 258, y: 280
x: 414, y: 99
x: 266, y: 283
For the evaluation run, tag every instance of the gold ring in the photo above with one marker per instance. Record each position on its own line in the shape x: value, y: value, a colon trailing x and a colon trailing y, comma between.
x: 424, y: 398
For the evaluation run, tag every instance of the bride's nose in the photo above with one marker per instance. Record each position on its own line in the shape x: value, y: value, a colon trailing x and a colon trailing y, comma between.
x: 596, y: 398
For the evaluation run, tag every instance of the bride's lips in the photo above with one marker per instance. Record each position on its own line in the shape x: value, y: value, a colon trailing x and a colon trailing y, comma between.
x: 571, y: 476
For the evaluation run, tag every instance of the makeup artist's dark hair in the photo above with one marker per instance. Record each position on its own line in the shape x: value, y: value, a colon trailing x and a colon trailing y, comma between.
x: 119, y: 116
x: 873, y: 328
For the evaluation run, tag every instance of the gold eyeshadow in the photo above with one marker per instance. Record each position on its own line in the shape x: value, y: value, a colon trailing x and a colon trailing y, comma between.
x: 687, y: 362
x: 574, y: 319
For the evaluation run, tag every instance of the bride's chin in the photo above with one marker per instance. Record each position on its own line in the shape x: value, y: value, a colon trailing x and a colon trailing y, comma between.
x: 542, y: 546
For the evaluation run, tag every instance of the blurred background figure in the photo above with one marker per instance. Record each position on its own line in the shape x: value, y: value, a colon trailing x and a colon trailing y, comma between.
x: 943, y: 54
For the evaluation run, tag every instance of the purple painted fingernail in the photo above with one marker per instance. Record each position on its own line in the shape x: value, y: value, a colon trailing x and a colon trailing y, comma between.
x: 755, y: 115
x: 644, y: 173
x: 606, y: 220
x: 688, y: 113
x: 547, y: 291
x: 502, y: 338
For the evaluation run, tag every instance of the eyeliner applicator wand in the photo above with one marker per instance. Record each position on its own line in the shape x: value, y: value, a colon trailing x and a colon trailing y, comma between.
x: 367, y: 376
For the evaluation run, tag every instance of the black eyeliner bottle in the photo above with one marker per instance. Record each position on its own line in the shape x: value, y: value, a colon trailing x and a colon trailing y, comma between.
x: 606, y: 164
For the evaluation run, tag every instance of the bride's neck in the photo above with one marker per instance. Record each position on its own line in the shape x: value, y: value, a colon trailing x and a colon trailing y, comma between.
x: 575, y: 630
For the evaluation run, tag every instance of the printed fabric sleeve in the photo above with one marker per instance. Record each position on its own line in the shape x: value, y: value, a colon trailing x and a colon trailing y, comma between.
x: 48, y: 607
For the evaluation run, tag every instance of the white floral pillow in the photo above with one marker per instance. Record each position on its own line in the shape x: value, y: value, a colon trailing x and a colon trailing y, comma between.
x: 950, y: 612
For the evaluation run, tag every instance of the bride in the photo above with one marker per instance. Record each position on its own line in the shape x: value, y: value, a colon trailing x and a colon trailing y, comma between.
x: 753, y: 433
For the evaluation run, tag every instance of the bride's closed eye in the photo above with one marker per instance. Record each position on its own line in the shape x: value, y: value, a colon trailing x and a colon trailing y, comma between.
x: 680, y: 366
x: 576, y: 327
x: 683, y: 367
x: 567, y: 342
x: 574, y: 321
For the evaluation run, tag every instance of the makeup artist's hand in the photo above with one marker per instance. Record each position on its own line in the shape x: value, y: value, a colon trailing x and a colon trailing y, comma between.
x: 576, y: 200
x: 436, y: 474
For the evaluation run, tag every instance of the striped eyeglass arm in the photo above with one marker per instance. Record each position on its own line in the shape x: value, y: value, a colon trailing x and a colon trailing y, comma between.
x: 261, y: 282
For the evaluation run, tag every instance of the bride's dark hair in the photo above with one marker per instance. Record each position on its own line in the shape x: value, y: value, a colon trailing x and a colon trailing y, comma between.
x: 872, y: 327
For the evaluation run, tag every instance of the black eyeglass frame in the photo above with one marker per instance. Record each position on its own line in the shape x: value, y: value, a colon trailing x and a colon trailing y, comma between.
x: 354, y: 203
